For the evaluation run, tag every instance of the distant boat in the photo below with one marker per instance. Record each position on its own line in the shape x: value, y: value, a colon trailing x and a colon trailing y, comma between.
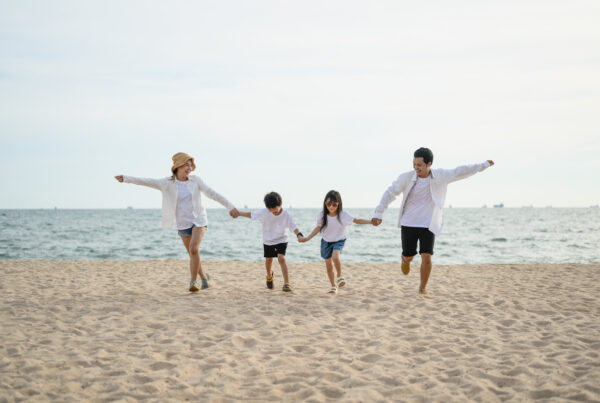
x: 499, y: 205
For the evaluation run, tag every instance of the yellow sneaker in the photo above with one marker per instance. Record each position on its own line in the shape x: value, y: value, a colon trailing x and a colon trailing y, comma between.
x: 405, y: 267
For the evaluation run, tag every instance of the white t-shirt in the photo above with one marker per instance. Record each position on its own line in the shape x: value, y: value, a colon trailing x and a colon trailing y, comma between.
x: 418, y: 209
x: 335, y: 230
x: 274, y: 226
x: 184, y: 212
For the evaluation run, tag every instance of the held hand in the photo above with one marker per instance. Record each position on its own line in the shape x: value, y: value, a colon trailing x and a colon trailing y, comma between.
x: 234, y: 213
x: 119, y: 178
x: 491, y: 162
x: 301, y: 239
x: 375, y: 221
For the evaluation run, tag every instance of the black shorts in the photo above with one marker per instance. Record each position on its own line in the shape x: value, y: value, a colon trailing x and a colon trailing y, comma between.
x: 274, y: 250
x: 410, y: 236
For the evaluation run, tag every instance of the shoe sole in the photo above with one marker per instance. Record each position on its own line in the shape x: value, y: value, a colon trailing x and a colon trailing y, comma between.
x: 194, y: 289
x: 405, y: 268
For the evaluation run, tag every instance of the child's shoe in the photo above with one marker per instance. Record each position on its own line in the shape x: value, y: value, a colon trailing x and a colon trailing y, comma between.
x: 333, y: 290
x: 194, y: 286
x: 340, y: 282
x: 205, y: 281
x: 270, y: 281
x: 286, y: 287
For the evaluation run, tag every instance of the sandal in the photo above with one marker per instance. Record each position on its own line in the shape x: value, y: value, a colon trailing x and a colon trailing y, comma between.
x: 270, y: 281
x: 286, y: 287
x: 340, y: 282
x: 333, y: 290
x: 205, y: 281
x: 194, y: 286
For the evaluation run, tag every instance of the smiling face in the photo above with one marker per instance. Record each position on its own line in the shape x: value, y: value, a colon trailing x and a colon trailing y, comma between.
x: 421, y: 168
x: 332, y: 206
x: 183, y: 172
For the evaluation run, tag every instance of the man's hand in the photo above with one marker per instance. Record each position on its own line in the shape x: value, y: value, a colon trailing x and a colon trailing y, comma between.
x: 376, y: 221
x: 119, y: 178
x: 234, y: 213
x: 491, y: 162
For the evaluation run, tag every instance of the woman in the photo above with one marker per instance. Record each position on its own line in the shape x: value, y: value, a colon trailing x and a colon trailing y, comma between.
x: 182, y: 208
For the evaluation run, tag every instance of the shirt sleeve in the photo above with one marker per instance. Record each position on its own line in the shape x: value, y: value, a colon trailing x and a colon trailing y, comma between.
x: 209, y: 192
x: 464, y: 171
x: 152, y: 183
x: 291, y: 224
x: 390, y: 195
x: 320, y: 219
x: 258, y: 215
x: 347, y: 218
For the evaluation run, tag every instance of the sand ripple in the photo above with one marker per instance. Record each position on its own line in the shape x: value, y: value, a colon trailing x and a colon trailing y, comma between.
x: 116, y: 330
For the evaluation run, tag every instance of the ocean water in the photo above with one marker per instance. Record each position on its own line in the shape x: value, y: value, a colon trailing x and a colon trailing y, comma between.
x: 470, y: 236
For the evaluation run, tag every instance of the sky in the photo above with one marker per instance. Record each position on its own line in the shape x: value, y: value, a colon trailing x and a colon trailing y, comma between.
x: 298, y: 97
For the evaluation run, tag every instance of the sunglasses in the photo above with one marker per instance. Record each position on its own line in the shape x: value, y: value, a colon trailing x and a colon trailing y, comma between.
x: 331, y: 203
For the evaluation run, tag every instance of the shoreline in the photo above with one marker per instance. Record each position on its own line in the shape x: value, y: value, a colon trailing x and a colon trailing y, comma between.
x: 130, y: 330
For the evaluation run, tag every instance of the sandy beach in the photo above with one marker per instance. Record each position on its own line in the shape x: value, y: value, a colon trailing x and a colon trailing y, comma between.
x: 129, y: 331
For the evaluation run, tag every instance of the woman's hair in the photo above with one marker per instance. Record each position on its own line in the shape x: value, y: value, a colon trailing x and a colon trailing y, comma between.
x: 334, y: 196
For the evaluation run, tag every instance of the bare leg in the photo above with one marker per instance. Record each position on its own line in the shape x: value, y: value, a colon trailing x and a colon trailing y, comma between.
x: 284, y: 269
x: 268, y: 264
x: 426, y: 266
x: 192, y: 245
x: 329, y: 266
x: 336, y: 261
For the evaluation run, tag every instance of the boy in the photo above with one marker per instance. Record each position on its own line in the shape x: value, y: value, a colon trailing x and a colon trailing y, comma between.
x: 275, y: 220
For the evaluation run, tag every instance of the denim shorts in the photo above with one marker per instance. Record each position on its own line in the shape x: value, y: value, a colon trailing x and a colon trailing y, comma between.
x: 188, y: 231
x: 327, y: 248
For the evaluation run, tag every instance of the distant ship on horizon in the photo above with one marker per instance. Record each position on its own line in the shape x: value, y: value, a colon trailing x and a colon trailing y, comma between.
x: 499, y: 205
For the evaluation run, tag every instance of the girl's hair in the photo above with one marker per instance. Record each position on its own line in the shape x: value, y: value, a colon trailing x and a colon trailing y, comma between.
x: 335, y: 196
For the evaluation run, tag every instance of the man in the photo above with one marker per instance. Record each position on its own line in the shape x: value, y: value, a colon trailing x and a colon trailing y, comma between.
x: 420, y: 217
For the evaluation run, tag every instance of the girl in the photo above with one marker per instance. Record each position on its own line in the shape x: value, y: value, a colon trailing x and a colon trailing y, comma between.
x: 182, y: 208
x: 332, y: 223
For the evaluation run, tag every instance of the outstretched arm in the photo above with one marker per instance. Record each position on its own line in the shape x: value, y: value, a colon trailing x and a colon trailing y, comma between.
x: 153, y: 183
x: 312, y: 234
x: 245, y: 214
x: 390, y: 195
x: 464, y: 171
x: 362, y: 221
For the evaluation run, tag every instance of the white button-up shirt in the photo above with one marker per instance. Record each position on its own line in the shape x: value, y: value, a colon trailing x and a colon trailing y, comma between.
x: 440, y: 178
x: 169, y: 188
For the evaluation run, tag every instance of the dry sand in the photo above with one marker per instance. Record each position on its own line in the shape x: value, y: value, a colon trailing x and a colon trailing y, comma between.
x: 128, y: 331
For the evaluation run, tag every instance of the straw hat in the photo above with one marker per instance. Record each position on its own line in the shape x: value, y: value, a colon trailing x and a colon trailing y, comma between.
x: 180, y: 159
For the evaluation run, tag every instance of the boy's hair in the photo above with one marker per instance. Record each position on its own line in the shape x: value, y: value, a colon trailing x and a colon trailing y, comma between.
x: 424, y: 153
x: 272, y: 200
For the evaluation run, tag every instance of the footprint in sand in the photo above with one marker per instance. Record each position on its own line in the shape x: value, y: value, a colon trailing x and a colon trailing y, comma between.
x: 241, y: 342
x: 157, y: 366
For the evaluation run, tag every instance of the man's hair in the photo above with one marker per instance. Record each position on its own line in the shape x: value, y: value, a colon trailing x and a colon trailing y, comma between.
x: 424, y: 153
x: 272, y: 200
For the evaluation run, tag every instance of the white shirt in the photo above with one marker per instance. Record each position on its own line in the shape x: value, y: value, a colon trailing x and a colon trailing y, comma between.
x: 419, y: 206
x: 335, y: 230
x: 185, y: 207
x: 274, y: 226
x: 440, y: 179
x: 170, y: 189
